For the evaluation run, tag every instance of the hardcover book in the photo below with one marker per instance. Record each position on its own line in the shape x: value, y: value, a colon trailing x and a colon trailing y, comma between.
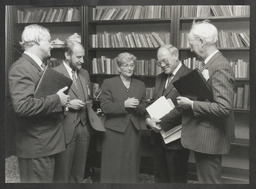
x: 51, y: 82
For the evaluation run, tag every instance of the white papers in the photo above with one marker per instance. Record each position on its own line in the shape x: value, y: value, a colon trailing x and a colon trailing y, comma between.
x: 171, y: 135
x: 159, y: 108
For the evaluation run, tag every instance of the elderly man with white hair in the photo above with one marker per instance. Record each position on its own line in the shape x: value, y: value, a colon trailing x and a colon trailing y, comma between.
x: 208, y: 127
x: 39, y: 135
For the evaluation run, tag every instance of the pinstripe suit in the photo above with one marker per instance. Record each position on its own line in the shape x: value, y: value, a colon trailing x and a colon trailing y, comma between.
x: 208, y: 127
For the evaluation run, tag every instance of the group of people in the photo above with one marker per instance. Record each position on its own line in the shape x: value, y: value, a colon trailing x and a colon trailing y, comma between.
x: 53, y: 132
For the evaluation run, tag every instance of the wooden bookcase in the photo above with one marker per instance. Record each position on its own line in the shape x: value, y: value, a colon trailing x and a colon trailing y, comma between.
x: 144, y: 26
x: 236, y: 163
x: 69, y: 23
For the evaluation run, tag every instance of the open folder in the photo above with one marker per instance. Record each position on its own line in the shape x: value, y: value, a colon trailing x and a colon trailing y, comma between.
x: 194, y: 86
x: 51, y: 82
x: 158, y: 109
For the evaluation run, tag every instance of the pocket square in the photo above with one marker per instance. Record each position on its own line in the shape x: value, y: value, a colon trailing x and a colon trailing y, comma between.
x: 205, y: 73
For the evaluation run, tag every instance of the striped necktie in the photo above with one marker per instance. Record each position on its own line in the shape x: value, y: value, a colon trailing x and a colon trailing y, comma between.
x: 169, y: 79
x: 74, y: 79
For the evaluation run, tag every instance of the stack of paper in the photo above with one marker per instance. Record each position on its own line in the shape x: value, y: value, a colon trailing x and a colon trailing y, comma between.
x: 158, y: 109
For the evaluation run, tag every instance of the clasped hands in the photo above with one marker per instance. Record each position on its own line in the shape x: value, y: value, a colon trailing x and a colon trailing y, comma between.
x: 131, y: 102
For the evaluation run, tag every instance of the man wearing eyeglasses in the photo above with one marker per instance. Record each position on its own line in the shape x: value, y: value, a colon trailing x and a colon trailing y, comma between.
x: 170, y: 161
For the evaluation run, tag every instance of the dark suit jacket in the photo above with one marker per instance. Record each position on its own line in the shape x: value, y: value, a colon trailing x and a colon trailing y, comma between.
x: 114, y: 93
x: 71, y: 118
x: 39, y: 131
x: 170, y: 122
x: 209, y: 127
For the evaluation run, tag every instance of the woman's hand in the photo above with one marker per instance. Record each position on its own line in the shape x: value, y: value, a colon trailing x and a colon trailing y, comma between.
x: 131, y: 102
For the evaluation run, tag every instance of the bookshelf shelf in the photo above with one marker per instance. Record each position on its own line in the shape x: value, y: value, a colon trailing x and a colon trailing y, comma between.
x: 112, y: 75
x: 50, y: 24
x: 240, y: 110
x: 123, y: 22
x: 242, y: 80
x: 216, y: 18
x: 242, y: 142
x: 122, y: 49
x: 221, y: 49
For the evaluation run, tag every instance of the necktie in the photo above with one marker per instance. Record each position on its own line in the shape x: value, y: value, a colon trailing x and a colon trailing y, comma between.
x: 74, y: 79
x: 169, y: 79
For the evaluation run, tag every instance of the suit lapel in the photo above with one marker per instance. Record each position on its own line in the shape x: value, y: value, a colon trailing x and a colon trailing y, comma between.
x: 161, y: 84
x: 40, y: 71
x: 83, y: 81
x: 211, y: 61
x: 65, y: 72
x: 176, y: 77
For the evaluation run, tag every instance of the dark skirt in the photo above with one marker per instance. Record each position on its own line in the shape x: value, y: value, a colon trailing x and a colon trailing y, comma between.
x: 120, y: 156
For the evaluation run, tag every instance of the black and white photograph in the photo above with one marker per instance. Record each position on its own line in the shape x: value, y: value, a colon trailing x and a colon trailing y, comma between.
x: 129, y: 94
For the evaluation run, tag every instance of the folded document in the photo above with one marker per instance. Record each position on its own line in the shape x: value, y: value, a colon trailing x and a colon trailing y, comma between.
x: 158, y: 109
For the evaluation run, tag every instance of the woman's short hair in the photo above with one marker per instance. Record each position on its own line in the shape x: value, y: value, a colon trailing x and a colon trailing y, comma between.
x: 32, y: 35
x: 125, y: 57
x: 204, y: 30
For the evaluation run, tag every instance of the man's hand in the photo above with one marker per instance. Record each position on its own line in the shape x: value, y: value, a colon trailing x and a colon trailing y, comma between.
x: 76, y: 104
x: 184, y: 102
x: 153, y: 123
x: 64, y: 99
x: 131, y: 103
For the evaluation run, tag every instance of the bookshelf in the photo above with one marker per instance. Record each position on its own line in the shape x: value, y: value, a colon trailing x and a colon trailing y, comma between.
x: 233, y: 22
x: 62, y: 21
x: 109, y: 37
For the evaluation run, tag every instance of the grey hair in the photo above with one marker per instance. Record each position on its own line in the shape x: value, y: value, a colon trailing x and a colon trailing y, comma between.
x: 125, y: 57
x: 32, y: 35
x: 70, y: 45
x: 171, y: 49
x: 204, y: 30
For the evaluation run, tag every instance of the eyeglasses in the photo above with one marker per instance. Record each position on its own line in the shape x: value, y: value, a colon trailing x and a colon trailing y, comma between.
x: 163, y: 62
x: 132, y: 66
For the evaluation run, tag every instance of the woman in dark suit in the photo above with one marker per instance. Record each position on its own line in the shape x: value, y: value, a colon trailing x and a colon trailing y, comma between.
x: 123, y: 100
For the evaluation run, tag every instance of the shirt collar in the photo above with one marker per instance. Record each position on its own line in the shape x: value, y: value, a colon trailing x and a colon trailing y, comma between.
x: 210, y: 56
x: 176, y: 69
x: 69, y: 70
x: 35, y: 58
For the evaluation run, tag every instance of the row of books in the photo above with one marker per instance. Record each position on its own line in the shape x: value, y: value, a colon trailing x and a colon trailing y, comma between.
x: 193, y: 63
x: 242, y: 97
x: 150, y: 93
x: 131, y: 40
x: 48, y: 15
x: 218, y: 10
x: 131, y: 12
x: 227, y: 39
x: 104, y: 65
x: 240, y: 67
